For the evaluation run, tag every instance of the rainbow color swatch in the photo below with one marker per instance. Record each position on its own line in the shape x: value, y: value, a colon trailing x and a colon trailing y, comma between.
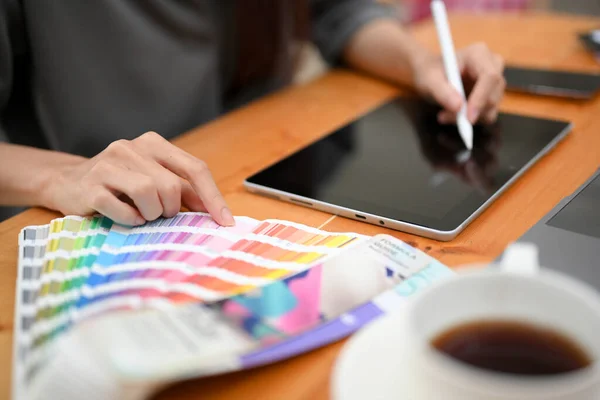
x: 76, y: 268
x: 309, y: 309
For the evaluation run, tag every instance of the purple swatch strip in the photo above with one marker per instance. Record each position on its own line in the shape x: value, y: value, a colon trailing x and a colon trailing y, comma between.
x: 327, y: 333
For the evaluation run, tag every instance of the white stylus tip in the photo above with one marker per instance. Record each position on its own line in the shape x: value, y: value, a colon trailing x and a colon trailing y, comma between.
x: 463, y: 156
x: 466, y: 131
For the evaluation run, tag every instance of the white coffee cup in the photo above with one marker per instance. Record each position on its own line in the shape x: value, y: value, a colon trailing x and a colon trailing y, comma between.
x: 394, y: 358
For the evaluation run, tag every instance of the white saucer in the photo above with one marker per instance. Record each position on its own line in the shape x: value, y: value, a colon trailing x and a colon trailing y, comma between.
x: 375, y: 363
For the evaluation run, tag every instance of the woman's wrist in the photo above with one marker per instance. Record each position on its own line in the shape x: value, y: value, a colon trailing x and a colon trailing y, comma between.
x: 53, y: 180
x: 386, y: 49
x: 31, y: 176
x: 418, y: 58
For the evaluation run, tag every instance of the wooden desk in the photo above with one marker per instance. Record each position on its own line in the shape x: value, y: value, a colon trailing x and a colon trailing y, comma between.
x: 245, y: 141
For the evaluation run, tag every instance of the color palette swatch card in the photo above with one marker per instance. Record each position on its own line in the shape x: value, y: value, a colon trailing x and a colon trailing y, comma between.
x: 53, y: 263
x: 75, y: 269
x: 303, y: 306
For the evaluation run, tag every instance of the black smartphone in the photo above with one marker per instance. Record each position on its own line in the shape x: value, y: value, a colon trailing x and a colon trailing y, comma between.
x: 576, y: 85
x: 591, y: 40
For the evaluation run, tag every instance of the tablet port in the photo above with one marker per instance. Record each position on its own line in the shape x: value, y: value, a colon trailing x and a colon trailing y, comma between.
x: 381, y: 222
x: 306, y: 203
x: 360, y: 216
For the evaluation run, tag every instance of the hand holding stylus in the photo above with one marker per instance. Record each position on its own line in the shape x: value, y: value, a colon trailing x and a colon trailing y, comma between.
x: 465, y: 128
x: 482, y: 78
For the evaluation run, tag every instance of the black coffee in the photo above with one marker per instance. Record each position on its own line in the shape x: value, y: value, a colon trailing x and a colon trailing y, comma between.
x: 512, y: 347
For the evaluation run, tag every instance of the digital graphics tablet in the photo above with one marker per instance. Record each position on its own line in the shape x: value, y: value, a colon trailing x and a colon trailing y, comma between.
x: 568, y: 237
x: 574, y: 85
x: 397, y: 167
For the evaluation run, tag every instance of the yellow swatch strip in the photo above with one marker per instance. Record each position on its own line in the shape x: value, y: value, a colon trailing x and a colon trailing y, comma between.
x: 337, y: 241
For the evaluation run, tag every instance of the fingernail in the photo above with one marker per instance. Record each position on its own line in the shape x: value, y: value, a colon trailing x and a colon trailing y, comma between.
x: 140, y: 220
x: 227, y: 217
x: 473, y: 115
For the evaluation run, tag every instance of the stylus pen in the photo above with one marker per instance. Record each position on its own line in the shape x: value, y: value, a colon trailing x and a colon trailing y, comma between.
x: 438, y: 10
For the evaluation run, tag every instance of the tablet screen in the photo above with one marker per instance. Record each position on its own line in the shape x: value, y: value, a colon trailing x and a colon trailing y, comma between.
x: 397, y: 162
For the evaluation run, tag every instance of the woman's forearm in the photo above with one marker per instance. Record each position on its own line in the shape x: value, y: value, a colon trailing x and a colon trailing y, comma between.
x: 27, y: 173
x: 385, y: 49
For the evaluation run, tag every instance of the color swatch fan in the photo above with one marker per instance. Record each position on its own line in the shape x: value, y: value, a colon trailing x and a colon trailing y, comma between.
x: 124, y: 310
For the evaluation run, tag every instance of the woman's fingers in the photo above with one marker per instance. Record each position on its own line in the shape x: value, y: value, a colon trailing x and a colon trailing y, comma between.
x: 190, y: 198
x: 140, y: 180
x: 138, y: 187
x: 190, y: 168
x: 486, y: 70
x: 484, y: 80
x: 490, y: 113
x: 167, y: 184
x: 106, y: 203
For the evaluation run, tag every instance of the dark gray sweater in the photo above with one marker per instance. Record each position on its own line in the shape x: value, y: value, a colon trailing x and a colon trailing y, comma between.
x: 99, y: 70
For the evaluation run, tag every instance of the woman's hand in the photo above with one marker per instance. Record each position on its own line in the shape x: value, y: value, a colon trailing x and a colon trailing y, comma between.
x: 136, y: 181
x: 483, y: 79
